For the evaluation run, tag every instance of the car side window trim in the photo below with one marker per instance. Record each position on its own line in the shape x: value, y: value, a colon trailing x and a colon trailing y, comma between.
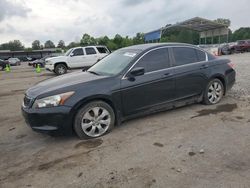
x: 172, y: 60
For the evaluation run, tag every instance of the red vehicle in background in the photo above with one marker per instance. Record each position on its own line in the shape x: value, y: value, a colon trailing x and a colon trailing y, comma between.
x: 240, y: 46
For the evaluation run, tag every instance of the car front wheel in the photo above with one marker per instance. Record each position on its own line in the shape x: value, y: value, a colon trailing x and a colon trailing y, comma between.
x: 60, y: 69
x: 94, y: 119
x: 214, y: 92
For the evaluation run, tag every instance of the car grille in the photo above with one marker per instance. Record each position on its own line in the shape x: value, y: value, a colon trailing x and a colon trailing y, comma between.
x: 27, y: 102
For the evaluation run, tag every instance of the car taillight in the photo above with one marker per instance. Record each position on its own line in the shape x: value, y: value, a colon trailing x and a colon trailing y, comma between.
x: 231, y: 64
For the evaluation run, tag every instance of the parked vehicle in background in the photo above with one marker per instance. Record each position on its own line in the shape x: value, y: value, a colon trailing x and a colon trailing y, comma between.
x: 14, y: 61
x: 41, y: 62
x: 240, y: 46
x: 25, y: 59
x: 79, y: 57
x: 224, y: 49
x: 3, y: 64
x: 129, y: 82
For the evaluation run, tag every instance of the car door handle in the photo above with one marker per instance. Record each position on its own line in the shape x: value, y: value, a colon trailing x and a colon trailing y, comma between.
x: 204, y: 67
x: 167, y: 74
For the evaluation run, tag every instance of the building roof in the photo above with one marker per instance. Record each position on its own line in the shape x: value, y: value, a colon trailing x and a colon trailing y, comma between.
x: 197, y: 24
x: 200, y: 24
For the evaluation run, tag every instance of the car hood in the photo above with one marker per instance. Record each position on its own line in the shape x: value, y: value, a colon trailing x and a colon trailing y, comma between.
x: 61, y: 82
x: 34, y: 61
x: 56, y: 59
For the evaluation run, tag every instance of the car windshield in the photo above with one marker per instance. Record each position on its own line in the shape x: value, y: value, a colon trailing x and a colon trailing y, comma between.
x: 68, y: 52
x: 114, y: 63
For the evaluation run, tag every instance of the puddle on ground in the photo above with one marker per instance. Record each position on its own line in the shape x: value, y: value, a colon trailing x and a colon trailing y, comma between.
x: 239, y: 117
x: 21, y: 136
x: 218, y: 109
x: 158, y: 144
x: 89, y: 143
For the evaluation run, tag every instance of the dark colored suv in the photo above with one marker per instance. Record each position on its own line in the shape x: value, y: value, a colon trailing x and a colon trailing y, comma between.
x: 129, y: 82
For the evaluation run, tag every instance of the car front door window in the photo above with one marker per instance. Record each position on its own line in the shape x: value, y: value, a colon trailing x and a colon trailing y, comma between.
x: 77, y: 52
x: 155, y: 60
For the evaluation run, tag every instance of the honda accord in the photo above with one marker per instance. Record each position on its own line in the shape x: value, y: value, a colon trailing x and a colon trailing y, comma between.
x: 131, y: 81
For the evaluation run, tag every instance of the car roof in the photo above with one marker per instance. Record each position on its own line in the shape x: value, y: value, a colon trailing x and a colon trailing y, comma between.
x: 89, y: 46
x: 142, y: 47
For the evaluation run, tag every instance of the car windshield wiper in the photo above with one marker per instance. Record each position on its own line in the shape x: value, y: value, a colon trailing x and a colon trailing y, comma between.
x: 93, y: 72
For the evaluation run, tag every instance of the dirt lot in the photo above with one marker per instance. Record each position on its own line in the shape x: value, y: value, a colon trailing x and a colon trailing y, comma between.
x: 161, y: 150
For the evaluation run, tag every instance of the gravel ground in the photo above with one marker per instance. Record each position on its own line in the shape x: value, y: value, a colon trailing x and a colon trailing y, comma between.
x: 193, y: 146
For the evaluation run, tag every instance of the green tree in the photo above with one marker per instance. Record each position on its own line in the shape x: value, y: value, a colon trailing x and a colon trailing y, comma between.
x: 111, y: 45
x: 127, y: 41
x: 181, y: 35
x: 103, y: 40
x: 241, y: 33
x: 12, y: 45
x: 36, y: 45
x: 118, y: 40
x: 49, y: 44
x: 73, y: 45
x: 61, y: 44
x: 87, y: 40
x: 139, y: 38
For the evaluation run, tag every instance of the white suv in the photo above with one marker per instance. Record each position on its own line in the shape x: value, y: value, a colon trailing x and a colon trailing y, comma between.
x: 79, y: 57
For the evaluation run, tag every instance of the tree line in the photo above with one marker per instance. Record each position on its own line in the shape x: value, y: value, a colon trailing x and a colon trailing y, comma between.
x: 172, y: 35
x: 117, y: 42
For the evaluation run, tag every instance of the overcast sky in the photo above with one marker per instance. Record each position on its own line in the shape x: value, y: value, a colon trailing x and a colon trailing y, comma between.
x: 28, y: 20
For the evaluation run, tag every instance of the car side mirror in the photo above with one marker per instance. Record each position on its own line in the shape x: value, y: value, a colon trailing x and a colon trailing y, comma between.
x: 71, y: 55
x: 138, y: 71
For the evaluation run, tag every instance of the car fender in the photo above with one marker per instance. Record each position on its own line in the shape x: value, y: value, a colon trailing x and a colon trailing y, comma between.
x: 99, y: 97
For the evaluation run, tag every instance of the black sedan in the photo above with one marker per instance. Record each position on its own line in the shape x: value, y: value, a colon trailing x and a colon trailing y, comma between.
x: 129, y: 82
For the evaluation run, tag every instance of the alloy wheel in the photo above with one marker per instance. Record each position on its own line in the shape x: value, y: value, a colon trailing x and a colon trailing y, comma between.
x: 61, y: 70
x: 215, y: 92
x: 96, y: 121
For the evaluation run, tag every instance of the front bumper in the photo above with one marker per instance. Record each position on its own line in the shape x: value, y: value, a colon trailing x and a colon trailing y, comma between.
x: 56, y: 120
x: 49, y: 67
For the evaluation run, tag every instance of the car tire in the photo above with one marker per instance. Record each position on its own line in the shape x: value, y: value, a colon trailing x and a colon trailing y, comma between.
x: 60, y: 69
x: 94, y: 120
x: 213, y: 92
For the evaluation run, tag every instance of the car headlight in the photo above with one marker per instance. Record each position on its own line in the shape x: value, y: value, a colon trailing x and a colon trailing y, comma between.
x: 47, y: 62
x: 52, y: 101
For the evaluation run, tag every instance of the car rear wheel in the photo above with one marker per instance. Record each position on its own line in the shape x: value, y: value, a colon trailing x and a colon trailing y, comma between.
x: 60, y: 69
x: 214, y: 92
x: 94, y: 119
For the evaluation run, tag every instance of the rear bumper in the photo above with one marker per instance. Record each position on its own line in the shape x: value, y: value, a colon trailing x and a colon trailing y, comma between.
x: 55, y: 120
x: 230, y: 79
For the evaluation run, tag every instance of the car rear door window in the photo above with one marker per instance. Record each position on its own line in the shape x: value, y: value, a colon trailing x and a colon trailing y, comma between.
x: 90, y: 51
x: 155, y: 60
x: 78, y: 52
x: 184, y: 55
x: 201, y: 55
x: 102, y: 50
